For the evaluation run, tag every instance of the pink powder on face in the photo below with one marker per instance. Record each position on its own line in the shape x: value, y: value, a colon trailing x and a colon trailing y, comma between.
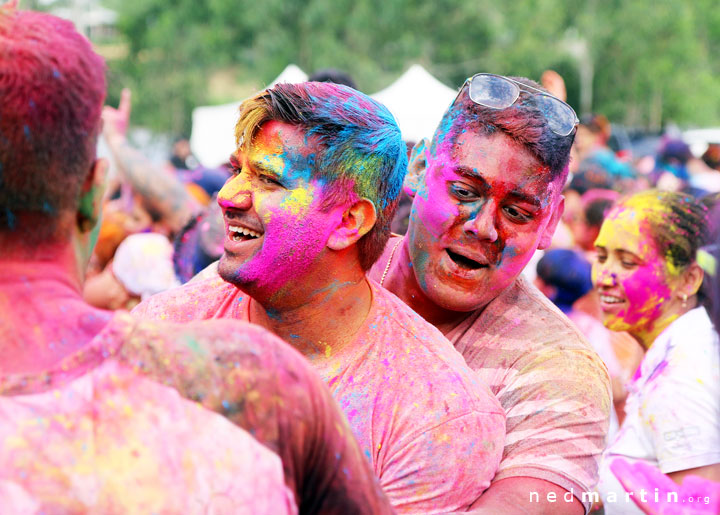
x: 646, y: 290
x: 274, y: 193
x: 630, y: 268
x: 292, y: 245
x: 486, y: 198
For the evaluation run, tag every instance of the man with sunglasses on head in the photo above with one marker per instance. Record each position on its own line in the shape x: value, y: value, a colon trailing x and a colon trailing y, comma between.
x: 487, y: 192
x: 316, y: 177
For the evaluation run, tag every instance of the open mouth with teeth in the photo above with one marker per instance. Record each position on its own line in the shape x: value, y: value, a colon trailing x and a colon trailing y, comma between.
x: 238, y: 233
x: 465, y: 262
x: 610, y: 299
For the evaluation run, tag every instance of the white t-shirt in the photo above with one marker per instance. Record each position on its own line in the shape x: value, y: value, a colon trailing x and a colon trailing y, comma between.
x: 673, y: 407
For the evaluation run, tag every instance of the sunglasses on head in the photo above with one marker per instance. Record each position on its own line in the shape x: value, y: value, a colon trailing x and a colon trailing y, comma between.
x: 498, y: 92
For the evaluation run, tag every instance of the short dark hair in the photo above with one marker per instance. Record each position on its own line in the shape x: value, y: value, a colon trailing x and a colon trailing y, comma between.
x: 333, y: 75
x: 361, y: 151
x: 597, y: 204
x: 568, y: 272
x: 523, y: 121
x: 52, y: 88
x: 596, y: 210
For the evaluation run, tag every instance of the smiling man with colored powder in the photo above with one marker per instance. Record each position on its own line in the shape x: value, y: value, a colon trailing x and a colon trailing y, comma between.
x: 318, y: 171
x: 486, y: 194
x: 101, y: 413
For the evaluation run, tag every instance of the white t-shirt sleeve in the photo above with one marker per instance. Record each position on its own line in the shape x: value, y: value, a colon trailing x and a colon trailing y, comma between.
x: 682, y: 406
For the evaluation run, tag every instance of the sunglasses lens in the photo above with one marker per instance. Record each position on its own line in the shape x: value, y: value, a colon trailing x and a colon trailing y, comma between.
x: 492, y: 91
x: 560, y: 117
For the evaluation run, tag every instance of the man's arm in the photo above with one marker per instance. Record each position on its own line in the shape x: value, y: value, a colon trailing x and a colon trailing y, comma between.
x: 527, y: 495
x: 557, y: 400
x: 161, y: 190
x: 557, y: 418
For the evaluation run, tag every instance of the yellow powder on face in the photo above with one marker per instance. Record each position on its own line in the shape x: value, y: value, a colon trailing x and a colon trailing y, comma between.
x: 650, y: 207
x: 625, y: 226
x: 635, y: 216
x: 299, y: 200
x: 233, y: 187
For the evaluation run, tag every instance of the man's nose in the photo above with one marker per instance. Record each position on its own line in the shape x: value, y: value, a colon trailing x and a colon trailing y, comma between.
x: 483, y: 223
x: 236, y: 193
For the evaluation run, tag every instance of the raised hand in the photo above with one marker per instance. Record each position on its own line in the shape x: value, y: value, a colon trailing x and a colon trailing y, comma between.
x: 116, y: 121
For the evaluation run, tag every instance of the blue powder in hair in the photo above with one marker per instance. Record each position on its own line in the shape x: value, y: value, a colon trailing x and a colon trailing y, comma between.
x: 11, y: 221
x: 47, y: 208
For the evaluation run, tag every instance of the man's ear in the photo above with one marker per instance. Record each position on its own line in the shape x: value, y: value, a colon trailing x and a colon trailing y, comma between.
x: 416, y: 168
x: 549, y: 231
x: 357, y: 220
x: 91, y: 196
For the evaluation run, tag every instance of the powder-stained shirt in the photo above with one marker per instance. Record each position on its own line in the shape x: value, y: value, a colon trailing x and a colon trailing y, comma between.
x: 112, y: 428
x: 673, y: 407
x: 554, y: 387
x: 432, y: 431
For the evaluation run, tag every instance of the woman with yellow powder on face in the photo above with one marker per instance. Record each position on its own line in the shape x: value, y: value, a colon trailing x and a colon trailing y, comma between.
x: 648, y: 283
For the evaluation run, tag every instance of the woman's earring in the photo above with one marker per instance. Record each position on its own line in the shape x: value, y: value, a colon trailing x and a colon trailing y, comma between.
x: 684, y: 298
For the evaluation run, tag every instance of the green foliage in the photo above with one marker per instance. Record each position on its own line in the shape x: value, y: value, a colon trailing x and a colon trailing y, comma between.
x: 653, y: 61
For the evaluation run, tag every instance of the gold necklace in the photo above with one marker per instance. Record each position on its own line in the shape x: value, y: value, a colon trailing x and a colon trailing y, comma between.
x: 387, y: 267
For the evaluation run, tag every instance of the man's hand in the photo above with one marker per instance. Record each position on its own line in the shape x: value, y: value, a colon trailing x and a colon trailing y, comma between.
x: 641, y: 478
x: 116, y: 121
x: 554, y: 83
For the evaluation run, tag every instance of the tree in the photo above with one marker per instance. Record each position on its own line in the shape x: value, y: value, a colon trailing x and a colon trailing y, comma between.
x: 650, y: 61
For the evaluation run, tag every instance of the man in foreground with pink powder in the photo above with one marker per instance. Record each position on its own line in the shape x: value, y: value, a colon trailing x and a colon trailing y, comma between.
x: 486, y: 194
x: 318, y: 171
x: 101, y: 413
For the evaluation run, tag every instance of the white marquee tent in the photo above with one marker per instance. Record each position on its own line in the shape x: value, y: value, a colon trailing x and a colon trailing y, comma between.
x: 213, y: 127
x: 417, y: 100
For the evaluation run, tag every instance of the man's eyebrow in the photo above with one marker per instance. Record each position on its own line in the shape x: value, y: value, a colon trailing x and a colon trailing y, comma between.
x: 260, y: 166
x: 524, y: 197
x: 468, y: 172
x: 472, y: 174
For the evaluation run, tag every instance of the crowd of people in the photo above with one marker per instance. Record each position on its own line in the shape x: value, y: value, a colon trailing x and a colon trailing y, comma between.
x: 539, y: 336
